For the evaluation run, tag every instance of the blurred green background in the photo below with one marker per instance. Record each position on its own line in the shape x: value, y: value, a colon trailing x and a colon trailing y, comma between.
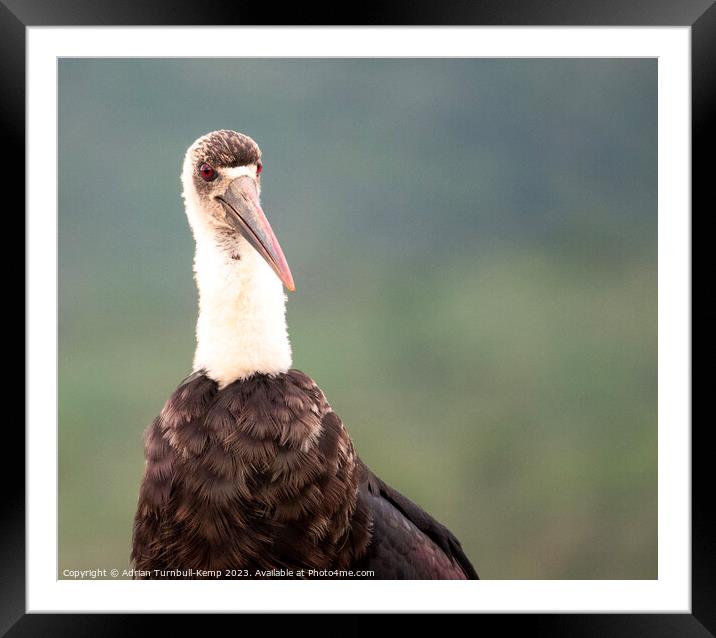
x: 474, y: 244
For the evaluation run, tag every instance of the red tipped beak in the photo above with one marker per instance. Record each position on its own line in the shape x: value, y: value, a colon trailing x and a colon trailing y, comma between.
x: 241, y: 201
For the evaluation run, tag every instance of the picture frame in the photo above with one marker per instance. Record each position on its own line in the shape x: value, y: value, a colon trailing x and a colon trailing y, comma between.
x: 16, y: 16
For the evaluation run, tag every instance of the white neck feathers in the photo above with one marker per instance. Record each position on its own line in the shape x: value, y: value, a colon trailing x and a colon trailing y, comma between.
x: 241, y: 328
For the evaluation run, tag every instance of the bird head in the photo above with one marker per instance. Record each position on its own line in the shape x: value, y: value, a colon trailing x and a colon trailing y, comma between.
x: 222, y: 184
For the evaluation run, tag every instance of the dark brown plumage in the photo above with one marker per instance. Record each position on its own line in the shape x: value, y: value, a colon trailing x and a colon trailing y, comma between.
x: 262, y: 475
x: 225, y: 148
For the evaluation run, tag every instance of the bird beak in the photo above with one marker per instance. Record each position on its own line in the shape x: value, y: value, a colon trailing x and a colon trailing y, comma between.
x: 244, y: 213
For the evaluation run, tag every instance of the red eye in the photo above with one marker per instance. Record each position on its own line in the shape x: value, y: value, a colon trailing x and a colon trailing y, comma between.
x: 259, y: 168
x: 207, y: 172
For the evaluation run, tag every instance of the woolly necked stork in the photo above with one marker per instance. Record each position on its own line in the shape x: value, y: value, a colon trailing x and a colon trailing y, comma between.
x: 249, y: 471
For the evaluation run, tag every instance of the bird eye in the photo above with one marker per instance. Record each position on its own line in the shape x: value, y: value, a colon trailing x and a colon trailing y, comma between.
x: 207, y: 172
x: 259, y: 168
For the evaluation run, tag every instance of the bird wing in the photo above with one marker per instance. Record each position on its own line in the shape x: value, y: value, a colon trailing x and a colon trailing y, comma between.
x: 406, y: 542
x: 358, y: 514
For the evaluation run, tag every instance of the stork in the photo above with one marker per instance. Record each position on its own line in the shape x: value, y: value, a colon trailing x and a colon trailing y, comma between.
x: 249, y: 472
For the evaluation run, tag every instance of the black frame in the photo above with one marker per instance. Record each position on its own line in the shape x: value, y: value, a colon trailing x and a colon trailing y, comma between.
x: 15, y: 15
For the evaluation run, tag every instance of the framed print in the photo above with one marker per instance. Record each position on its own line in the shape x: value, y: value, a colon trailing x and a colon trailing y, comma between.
x: 486, y: 212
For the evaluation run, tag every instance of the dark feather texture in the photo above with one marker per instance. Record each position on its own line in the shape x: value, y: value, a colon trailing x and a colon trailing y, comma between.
x: 261, y: 475
x: 226, y: 148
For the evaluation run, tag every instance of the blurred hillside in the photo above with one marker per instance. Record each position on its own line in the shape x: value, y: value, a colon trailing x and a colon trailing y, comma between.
x: 474, y: 248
